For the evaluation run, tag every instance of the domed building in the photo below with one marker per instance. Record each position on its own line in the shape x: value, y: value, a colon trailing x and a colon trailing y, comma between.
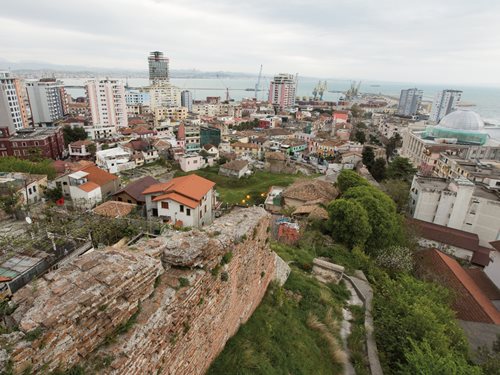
x: 461, y: 126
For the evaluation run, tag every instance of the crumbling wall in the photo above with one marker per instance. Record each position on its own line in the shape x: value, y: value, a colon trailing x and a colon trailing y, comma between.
x: 163, y: 306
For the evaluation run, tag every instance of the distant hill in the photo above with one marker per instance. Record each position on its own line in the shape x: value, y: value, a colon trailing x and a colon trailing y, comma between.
x: 37, y: 69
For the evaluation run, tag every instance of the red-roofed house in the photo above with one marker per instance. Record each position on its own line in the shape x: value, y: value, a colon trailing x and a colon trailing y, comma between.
x: 340, y: 117
x: 188, y: 201
x: 470, y: 302
x: 81, y: 149
x: 87, y: 186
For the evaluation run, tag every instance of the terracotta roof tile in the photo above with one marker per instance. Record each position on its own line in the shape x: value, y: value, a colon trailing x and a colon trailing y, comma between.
x: 453, y: 237
x: 114, y: 209
x: 310, y: 190
x: 484, y: 283
x: 88, y: 186
x: 235, y: 165
x: 191, y: 186
x: 470, y: 303
x: 97, y: 175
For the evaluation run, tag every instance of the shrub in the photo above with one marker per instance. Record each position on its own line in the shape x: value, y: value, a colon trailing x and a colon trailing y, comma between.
x: 183, y: 282
x: 395, y: 259
x: 224, y: 276
x: 226, y: 258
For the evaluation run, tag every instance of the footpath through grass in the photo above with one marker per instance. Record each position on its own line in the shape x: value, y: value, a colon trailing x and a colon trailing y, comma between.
x: 233, y: 190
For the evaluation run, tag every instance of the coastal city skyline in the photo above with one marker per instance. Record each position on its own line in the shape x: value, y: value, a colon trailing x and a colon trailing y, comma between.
x: 388, y: 42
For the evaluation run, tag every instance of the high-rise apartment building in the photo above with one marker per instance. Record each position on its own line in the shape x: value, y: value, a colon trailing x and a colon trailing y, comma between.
x: 158, y: 67
x: 12, y: 108
x: 282, y: 91
x: 409, y: 102
x: 187, y: 100
x: 107, y: 104
x: 164, y: 94
x: 47, y: 99
x: 445, y: 102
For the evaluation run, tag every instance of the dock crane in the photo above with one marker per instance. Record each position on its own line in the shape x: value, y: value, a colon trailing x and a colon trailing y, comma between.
x: 257, y: 85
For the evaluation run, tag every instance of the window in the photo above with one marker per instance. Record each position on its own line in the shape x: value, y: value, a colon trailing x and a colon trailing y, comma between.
x: 181, y: 208
x: 188, y: 212
x: 34, y: 188
x: 164, y: 205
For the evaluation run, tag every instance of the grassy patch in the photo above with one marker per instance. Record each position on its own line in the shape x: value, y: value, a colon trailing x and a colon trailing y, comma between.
x: 278, y: 339
x: 233, y: 191
x: 356, y: 341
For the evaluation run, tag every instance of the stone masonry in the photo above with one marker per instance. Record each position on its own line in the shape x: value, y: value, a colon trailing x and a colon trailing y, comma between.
x: 184, y: 300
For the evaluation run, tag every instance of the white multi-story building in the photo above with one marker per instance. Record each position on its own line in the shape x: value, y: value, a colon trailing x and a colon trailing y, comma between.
x: 106, y: 99
x: 164, y: 94
x: 446, y: 101
x: 12, y: 109
x: 136, y: 97
x: 114, y: 160
x: 409, y: 102
x: 282, y: 91
x: 457, y: 203
x: 47, y: 99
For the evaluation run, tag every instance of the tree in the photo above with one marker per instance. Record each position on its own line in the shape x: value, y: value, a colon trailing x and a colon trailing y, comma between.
x: 10, y: 202
x: 348, y: 179
x: 13, y: 164
x: 386, y: 225
x: 360, y: 136
x: 348, y: 222
x: 399, y: 191
x: 401, y: 169
x: 356, y: 111
x: 409, y: 312
x: 368, y: 156
x: 422, y: 359
x: 53, y: 194
x: 393, y: 143
x: 378, y: 169
x: 92, y: 149
x: 73, y: 134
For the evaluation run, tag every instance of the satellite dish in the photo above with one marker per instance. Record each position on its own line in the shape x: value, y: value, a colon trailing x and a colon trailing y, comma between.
x: 28, y: 220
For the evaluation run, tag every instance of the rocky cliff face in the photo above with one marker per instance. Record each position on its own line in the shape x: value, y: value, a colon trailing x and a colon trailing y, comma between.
x: 162, y: 306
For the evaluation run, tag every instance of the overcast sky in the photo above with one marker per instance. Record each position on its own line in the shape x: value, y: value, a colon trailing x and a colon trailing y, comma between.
x: 441, y: 41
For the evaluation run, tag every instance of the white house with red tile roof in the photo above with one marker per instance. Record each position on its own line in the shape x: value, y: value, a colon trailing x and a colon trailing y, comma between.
x: 87, y: 186
x: 184, y: 201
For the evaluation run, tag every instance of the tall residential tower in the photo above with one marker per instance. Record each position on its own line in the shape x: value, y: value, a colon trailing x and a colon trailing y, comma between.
x: 158, y: 67
x: 47, y: 99
x: 445, y: 102
x: 409, y: 102
x: 12, y: 109
x: 282, y: 91
x: 107, y: 106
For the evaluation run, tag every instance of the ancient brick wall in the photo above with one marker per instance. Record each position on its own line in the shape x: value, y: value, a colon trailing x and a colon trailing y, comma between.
x: 184, y: 317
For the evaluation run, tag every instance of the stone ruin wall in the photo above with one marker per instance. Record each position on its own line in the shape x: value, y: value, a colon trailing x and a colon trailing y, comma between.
x: 176, y: 330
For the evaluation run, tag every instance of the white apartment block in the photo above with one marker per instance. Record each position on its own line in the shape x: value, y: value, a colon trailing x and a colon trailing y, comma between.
x: 107, y: 103
x: 47, y: 99
x: 457, y: 203
x: 282, y: 91
x: 446, y: 101
x: 409, y: 102
x: 12, y: 107
x: 164, y: 94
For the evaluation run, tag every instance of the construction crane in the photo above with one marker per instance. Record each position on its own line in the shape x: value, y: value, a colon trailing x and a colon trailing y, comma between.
x: 257, y: 85
x: 226, y: 88
x: 353, y: 90
x: 319, y: 90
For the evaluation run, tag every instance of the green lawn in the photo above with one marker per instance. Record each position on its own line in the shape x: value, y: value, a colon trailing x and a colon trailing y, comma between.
x: 233, y: 191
